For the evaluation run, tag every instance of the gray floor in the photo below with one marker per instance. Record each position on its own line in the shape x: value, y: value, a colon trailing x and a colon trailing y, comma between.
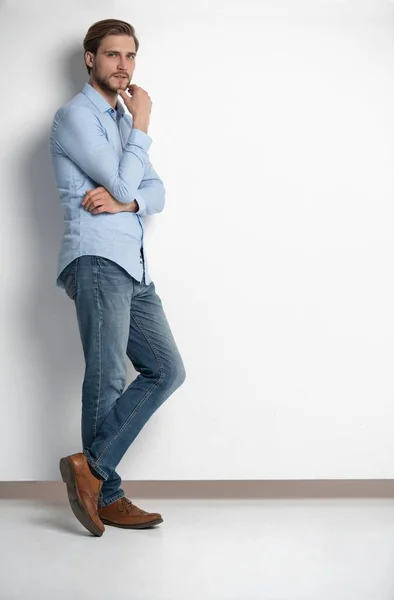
x: 265, y: 549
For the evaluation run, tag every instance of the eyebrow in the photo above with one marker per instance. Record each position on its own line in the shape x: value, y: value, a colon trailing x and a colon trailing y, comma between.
x: 117, y: 52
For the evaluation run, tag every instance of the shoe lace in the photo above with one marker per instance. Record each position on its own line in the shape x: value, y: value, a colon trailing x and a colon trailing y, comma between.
x: 128, y: 503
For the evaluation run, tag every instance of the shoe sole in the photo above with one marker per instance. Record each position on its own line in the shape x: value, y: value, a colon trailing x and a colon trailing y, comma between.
x: 140, y: 526
x: 75, y: 501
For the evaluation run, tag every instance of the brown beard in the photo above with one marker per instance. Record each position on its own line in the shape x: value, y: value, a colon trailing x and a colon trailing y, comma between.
x: 106, y: 85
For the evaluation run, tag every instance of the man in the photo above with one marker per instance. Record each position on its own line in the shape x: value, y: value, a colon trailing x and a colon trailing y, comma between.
x: 107, y: 184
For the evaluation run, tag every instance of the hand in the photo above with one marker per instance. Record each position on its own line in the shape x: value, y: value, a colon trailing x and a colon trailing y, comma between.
x: 100, y: 200
x: 138, y: 104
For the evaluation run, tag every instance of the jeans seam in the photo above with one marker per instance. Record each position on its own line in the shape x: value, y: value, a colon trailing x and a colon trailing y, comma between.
x: 97, y: 298
x: 147, y: 394
x: 93, y: 464
x: 75, y: 279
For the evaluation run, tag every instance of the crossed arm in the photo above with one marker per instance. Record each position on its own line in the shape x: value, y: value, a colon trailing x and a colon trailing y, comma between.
x: 129, y: 184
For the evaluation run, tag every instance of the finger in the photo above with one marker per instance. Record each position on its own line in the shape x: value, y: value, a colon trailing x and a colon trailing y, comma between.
x: 98, y: 196
x: 97, y: 191
x: 87, y: 206
x: 87, y: 203
x: 89, y: 194
x: 85, y: 198
x: 98, y: 210
x: 91, y: 207
x: 96, y: 202
x: 93, y: 193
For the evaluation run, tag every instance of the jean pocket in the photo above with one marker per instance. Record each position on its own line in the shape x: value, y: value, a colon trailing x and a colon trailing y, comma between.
x: 68, y: 277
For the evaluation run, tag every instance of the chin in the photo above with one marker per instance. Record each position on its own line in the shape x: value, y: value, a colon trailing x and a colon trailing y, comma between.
x: 112, y: 88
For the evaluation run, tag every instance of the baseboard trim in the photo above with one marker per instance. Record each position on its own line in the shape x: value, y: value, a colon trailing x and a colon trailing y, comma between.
x: 54, y: 491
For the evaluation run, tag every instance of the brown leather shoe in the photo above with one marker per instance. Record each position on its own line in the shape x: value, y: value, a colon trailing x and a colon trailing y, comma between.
x: 83, y: 490
x: 123, y: 513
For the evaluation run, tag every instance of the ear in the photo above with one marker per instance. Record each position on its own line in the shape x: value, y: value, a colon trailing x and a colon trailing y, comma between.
x: 89, y: 58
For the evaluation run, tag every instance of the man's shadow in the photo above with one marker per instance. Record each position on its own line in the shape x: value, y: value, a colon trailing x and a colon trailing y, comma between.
x: 49, y: 315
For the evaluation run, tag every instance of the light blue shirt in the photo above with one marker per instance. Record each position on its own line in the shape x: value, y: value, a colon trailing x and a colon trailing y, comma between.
x: 94, y: 145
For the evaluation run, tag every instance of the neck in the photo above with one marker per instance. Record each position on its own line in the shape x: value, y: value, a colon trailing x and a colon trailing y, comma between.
x: 111, y: 97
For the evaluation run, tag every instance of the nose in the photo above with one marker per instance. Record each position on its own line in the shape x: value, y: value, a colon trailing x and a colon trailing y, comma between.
x: 122, y: 64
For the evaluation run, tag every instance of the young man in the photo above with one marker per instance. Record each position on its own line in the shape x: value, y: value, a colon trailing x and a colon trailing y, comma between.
x: 107, y: 184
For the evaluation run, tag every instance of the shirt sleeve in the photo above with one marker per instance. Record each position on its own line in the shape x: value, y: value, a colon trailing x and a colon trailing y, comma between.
x: 151, y: 193
x: 81, y: 136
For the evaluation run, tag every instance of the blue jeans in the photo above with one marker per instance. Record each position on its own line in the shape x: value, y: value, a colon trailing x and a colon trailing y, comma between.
x: 118, y: 317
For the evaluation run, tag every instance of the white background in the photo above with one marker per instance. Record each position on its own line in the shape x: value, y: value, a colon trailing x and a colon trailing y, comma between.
x: 273, y: 131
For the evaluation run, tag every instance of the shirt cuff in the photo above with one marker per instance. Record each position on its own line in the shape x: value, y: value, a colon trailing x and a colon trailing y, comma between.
x: 141, y: 204
x: 140, y: 138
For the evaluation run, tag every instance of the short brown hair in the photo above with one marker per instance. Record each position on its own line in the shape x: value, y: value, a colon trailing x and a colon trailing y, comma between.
x: 99, y: 30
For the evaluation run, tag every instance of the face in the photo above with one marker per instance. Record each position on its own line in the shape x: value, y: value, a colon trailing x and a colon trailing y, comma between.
x: 113, y: 65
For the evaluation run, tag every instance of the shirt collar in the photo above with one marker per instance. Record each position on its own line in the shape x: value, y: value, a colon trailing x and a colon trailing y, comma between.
x: 100, y: 102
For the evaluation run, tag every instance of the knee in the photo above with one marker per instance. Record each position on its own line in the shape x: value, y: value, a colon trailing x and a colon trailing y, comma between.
x: 176, y: 375
x: 181, y: 374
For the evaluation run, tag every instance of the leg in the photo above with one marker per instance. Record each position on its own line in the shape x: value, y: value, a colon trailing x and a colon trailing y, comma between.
x: 102, y: 293
x: 155, y: 356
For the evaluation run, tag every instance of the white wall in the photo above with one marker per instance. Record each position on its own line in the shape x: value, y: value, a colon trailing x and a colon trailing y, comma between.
x: 273, y: 131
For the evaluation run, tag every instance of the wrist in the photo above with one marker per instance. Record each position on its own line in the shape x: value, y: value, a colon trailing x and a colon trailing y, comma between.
x: 141, y: 124
x: 131, y: 207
